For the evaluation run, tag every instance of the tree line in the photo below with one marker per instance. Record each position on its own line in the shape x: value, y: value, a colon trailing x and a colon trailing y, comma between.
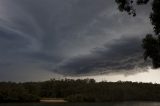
x: 86, y: 90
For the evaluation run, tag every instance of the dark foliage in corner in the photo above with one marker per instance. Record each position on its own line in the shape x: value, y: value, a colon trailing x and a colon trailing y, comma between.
x: 151, y: 44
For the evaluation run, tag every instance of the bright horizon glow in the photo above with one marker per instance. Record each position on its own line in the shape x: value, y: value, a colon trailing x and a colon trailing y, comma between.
x: 150, y: 76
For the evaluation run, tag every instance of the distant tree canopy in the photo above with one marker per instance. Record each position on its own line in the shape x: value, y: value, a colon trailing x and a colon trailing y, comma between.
x: 80, y: 90
x: 151, y: 43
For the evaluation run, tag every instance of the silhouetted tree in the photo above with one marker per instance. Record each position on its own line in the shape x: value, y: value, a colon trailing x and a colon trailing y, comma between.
x: 151, y: 43
x: 152, y: 49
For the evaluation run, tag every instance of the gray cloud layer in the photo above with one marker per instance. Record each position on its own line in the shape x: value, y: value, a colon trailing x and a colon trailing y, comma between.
x: 61, y: 36
x: 124, y: 55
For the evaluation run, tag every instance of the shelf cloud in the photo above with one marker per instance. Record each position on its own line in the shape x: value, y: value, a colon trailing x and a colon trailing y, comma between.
x: 69, y: 37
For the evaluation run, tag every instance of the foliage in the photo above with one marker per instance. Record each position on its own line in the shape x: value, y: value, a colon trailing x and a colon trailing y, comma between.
x: 151, y: 44
x: 127, y: 5
x: 13, y: 92
x: 86, y: 90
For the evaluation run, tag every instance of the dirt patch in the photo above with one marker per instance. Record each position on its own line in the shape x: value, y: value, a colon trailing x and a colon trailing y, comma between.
x: 53, y: 100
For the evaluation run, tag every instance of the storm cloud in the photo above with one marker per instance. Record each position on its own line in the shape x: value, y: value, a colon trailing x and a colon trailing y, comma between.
x: 124, y: 56
x: 69, y: 37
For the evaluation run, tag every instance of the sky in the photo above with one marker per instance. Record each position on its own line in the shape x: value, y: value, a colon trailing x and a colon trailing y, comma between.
x: 43, y: 39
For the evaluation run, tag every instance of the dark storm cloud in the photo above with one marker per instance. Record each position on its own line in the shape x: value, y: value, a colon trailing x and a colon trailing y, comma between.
x: 122, y: 56
x: 62, y: 35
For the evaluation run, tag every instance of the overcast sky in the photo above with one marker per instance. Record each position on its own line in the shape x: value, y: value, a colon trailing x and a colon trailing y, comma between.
x: 43, y: 39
